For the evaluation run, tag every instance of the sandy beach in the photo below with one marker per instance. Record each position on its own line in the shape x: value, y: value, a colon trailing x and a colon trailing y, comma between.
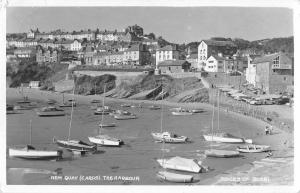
x: 137, y: 157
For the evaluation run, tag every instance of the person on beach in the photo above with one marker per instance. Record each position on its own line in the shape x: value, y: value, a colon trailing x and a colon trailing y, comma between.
x: 267, y: 130
x: 270, y: 130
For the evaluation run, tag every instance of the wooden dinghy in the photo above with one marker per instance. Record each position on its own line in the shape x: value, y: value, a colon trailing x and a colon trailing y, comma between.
x: 221, y: 153
x: 125, y: 117
x: 168, y: 137
x: 50, y: 112
x: 29, y: 152
x: 75, y: 145
x: 173, y: 177
x: 253, y: 148
x: 105, y: 140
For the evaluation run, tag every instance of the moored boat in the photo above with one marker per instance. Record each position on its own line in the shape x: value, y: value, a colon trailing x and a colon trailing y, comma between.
x: 225, y: 138
x: 50, y: 111
x: 96, y: 101
x: 105, y: 110
x: 180, y: 164
x: 75, y: 145
x: 182, y: 113
x: 105, y: 140
x: 125, y: 105
x: 107, y: 124
x: 168, y: 137
x: 253, y: 148
x: 29, y: 152
x: 125, y: 117
x: 197, y: 110
x: 221, y: 153
x: 173, y: 177
x: 154, y: 107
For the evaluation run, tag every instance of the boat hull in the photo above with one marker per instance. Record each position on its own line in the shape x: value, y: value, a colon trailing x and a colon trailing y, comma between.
x: 221, y: 153
x: 181, y: 113
x: 107, y: 125
x: 73, y: 146
x: 158, y: 137
x: 223, y: 139
x: 253, y: 149
x: 34, y: 154
x: 164, y: 163
x: 104, y: 142
x: 176, y: 178
x: 50, y: 114
x: 124, y: 117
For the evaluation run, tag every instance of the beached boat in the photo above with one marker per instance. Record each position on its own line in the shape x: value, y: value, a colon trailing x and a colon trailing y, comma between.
x: 68, y: 103
x: 10, y: 109
x: 105, y: 140
x: 154, y: 107
x: 225, y: 138
x: 176, y: 109
x: 50, y: 111
x: 107, y: 125
x: 221, y: 153
x: 104, y: 110
x: 125, y: 117
x: 182, y: 113
x: 180, y: 164
x: 29, y: 152
x: 125, y: 105
x: 222, y: 136
x: 101, y: 139
x: 168, y: 137
x: 51, y: 101
x: 96, y: 101
x: 253, y: 148
x: 197, y: 110
x: 218, y: 137
x: 74, y: 145
x: 173, y: 177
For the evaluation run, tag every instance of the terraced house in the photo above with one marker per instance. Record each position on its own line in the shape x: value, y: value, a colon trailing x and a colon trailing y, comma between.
x: 168, y: 52
x: 48, y: 55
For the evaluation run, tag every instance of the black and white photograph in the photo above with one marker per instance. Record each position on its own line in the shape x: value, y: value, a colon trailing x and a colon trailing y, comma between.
x: 168, y: 95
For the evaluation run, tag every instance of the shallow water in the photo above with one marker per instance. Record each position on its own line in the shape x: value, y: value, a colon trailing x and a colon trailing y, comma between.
x: 134, y: 159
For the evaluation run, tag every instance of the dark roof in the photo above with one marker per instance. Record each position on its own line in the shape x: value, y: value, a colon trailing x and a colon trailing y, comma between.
x: 167, y: 48
x: 173, y: 63
x: 219, y: 43
x: 193, y: 56
x: 133, y: 48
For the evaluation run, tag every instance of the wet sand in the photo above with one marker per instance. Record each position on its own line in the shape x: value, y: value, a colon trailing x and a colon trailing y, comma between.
x: 137, y: 156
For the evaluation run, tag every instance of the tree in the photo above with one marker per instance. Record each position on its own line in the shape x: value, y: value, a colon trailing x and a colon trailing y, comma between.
x: 151, y: 36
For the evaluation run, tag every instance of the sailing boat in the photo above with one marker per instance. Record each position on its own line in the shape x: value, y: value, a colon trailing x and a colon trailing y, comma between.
x: 167, y: 136
x: 104, y: 140
x: 29, y: 152
x: 25, y: 98
x: 216, y: 152
x: 74, y: 145
x: 222, y: 136
x: 70, y: 103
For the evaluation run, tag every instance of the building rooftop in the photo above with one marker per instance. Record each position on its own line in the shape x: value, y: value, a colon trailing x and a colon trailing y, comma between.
x: 167, y: 48
x: 173, y: 63
x: 266, y: 58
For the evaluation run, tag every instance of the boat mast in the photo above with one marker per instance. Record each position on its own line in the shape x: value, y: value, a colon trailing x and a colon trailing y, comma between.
x: 30, y: 122
x: 161, y: 112
x: 72, y: 109
x: 218, y: 110
x: 102, y: 116
x: 212, y: 120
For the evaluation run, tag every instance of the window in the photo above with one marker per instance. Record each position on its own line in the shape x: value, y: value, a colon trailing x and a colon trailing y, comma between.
x: 211, y: 61
x: 276, y: 60
x: 204, y: 57
x: 200, y: 57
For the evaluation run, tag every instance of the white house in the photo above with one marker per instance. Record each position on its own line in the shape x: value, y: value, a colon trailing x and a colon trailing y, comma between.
x: 166, y: 53
x: 215, y: 64
x: 76, y: 45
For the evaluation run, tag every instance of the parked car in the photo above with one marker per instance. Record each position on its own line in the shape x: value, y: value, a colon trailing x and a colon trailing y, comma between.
x: 268, y: 102
x: 282, y: 101
x: 255, y: 102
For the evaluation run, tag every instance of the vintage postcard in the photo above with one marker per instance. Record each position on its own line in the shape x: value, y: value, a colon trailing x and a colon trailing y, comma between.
x: 189, y: 96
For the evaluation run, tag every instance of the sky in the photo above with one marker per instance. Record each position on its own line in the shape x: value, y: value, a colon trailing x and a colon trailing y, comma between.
x: 175, y: 24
